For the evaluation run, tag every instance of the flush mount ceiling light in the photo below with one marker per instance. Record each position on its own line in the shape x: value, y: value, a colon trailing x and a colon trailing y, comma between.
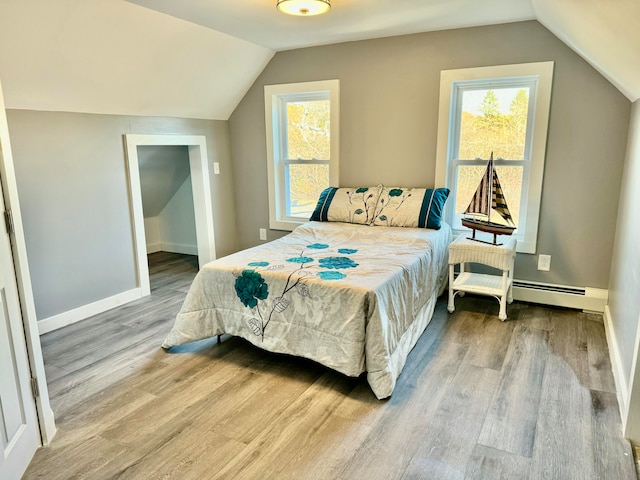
x: 304, y: 8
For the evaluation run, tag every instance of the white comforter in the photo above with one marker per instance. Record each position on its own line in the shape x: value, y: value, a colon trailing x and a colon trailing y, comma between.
x: 352, y: 297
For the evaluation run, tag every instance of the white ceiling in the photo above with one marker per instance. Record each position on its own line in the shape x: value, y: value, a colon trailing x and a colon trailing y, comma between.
x: 197, y: 58
x: 259, y: 22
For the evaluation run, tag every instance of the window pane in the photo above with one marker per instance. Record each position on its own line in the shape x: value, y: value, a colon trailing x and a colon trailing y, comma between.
x: 306, y: 182
x: 494, y: 120
x: 510, y: 180
x: 308, y: 130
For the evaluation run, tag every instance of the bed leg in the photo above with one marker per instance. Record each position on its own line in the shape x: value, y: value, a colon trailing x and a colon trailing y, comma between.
x: 219, y: 338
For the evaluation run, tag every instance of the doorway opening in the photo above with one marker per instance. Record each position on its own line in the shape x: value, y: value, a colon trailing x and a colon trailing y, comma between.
x: 169, y: 216
x: 202, y: 204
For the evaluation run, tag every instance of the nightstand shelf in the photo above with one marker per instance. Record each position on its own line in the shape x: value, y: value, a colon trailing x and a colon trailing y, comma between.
x: 464, y: 250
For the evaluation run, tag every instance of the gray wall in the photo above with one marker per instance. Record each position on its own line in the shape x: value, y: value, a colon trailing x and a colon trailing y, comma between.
x: 389, y: 91
x: 177, y: 222
x: 624, y: 298
x: 163, y: 169
x: 72, y: 183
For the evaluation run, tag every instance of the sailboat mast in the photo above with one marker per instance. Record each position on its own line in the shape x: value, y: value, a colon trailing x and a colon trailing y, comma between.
x: 490, y: 189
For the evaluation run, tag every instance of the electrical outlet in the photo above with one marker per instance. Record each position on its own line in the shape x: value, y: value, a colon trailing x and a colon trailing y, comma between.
x: 544, y: 262
x: 263, y: 234
x: 216, y: 168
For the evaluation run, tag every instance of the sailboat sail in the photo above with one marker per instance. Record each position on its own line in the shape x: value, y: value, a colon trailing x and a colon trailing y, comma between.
x: 489, y: 196
x: 499, y: 204
x: 480, y: 201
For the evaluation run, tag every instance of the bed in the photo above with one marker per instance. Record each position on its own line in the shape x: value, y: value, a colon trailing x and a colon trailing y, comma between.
x: 353, y: 297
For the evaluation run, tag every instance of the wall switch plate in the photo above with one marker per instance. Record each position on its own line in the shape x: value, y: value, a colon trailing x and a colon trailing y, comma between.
x: 544, y: 262
x: 216, y: 168
x: 263, y: 234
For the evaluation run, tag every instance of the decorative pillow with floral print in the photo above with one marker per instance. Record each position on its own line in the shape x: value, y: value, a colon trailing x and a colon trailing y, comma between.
x: 411, y: 207
x: 349, y: 205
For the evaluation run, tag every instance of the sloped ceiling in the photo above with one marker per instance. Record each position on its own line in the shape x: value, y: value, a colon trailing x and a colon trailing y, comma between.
x: 111, y: 56
x: 197, y: 58
x: 162, y: 171
x: 606, y: 33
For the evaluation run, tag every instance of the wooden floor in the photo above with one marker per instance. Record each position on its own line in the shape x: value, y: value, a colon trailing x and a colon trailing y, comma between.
x: 530, y: 398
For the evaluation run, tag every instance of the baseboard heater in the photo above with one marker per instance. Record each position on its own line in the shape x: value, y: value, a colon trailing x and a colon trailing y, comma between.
x: 582, y: 298
x: 549, y: 287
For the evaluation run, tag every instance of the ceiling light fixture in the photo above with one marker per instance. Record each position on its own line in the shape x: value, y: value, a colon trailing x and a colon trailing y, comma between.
x: 304, y: 8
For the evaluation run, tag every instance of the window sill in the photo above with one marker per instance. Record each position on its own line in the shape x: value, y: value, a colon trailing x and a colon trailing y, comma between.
x: 286, y: 225
x: 522, y: 246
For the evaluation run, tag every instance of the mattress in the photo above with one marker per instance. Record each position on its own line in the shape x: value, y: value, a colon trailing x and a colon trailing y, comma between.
x: 354, y: 298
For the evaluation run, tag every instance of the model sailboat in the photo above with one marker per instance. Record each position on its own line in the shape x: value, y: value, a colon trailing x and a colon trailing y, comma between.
x: 488, y: 197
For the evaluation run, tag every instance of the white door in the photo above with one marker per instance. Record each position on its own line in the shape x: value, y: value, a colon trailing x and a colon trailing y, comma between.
x: 19, y: 433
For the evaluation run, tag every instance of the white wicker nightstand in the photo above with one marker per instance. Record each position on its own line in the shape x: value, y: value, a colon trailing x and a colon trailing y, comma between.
x: 463, y: 250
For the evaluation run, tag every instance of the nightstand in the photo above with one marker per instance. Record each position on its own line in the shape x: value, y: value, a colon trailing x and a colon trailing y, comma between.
x: 464, y: 250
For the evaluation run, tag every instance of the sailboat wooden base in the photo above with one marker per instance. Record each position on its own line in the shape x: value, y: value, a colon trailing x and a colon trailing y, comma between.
x: 494, y: 228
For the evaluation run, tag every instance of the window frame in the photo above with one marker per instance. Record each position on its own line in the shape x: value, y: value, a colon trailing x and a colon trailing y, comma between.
x: 276, y: 98
x: 454, y: 81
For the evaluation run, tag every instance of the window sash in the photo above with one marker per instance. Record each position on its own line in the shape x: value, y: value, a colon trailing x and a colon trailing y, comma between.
x: 283, y: 118
x: 457, y: 95
x: 286, y: 191
x: 284, y: 163
x: 276, y: 99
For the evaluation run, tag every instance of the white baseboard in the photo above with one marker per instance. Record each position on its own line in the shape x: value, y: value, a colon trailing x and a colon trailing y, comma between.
x: 180, y: 248
x: 63, y: 319
x: 588, y: 299
x: 622, y: 388
x: 154, y: 247
x: 172, y: 248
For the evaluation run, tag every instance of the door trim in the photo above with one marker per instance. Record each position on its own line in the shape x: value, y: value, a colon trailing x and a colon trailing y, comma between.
x: 202, y: 203
x: 46, y: 418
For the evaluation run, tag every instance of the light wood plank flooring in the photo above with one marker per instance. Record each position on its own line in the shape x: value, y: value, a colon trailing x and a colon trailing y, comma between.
x: 530, y: 398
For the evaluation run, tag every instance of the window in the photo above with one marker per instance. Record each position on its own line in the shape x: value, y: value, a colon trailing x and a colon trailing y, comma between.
x: 504, y: 110
x: 302, y: 148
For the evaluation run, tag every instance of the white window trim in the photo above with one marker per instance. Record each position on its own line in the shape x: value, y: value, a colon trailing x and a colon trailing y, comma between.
x: 273, y: 94
x: 544, y: 72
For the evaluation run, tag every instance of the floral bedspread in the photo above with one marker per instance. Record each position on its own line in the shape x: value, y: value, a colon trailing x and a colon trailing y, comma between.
x: 352, y: 297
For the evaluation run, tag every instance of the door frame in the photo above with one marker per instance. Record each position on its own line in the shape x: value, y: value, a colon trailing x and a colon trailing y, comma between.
x: 46, y: 419
x: 202, y: 203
